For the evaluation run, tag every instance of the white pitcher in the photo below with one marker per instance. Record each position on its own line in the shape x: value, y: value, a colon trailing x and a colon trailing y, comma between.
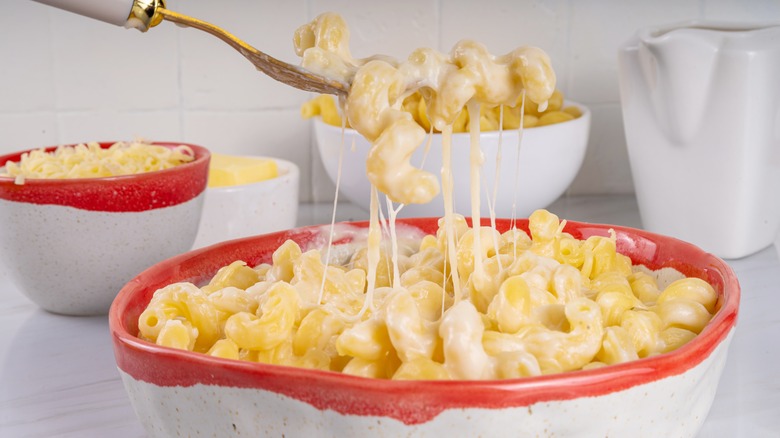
x: 701, y: 107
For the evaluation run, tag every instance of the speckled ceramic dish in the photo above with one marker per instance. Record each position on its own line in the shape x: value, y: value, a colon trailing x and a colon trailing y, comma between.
x: 179, y: 393
x: 70, y: 244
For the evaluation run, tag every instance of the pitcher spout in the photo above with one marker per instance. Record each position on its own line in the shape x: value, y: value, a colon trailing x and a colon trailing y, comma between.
x: 678, y: 67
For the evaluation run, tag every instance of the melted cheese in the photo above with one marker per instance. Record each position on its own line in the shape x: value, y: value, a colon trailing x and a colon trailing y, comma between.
x: 91, y: 161
x: 468, y: 76
x: 448, y: 82
x: 449, y: 213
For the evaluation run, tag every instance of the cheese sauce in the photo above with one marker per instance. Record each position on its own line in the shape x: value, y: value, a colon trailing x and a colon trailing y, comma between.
x: 469, y: 76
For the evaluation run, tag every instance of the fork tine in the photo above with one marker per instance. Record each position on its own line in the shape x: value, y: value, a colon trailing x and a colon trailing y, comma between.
x: 294, y: 75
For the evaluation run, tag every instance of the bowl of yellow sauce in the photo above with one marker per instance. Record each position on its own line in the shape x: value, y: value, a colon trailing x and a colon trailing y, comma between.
x: 248, y: 195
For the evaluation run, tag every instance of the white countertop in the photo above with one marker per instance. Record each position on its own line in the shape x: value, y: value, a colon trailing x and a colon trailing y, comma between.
x: 58, y: 376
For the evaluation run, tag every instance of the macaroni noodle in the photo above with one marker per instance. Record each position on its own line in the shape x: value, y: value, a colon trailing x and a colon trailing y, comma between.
x: 445, y: 82
x: 490, y: 119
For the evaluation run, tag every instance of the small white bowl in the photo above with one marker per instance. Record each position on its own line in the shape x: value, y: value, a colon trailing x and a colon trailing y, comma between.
x: 70, y: 244
x: 550, y: 158
x: 232, y: 212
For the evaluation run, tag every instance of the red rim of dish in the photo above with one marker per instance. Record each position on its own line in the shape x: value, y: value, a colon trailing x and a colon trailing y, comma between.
x: 125, y: 193
x: 411, y: 402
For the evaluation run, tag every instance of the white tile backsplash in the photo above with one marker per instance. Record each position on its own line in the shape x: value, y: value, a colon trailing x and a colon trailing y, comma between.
x: 65, y: 78
x: 275, y: 133
x: 80, y: 127
x: 99, y: 66
x: 216, y: 77
x: 741, y: 10
x: 605, y: 168
x: 25, y: 130
x: 26, y: 73
x: 599, y: 28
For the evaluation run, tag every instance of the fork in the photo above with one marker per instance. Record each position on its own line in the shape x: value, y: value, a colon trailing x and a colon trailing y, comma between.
x: 145, y: 14
x: 281, y: 71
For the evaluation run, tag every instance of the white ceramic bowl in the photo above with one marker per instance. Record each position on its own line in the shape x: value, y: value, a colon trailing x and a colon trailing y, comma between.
x: 70, y: 244
x: 176, y: 392
x: 550, y: 157
x: 248, y: 209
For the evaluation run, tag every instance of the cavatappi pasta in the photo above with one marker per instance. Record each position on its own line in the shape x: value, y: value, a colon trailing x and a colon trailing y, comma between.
x: 551, y: 303
x: 490, y: 119
x: 464, y: 303
x: 91, y: 161
x: 468, y: 76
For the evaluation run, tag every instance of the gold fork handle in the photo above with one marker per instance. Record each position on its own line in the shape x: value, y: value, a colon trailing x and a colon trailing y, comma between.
x: 217, y: 31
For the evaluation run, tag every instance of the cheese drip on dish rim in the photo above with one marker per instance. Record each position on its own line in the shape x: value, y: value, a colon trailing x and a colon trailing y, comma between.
x: 468, y: 76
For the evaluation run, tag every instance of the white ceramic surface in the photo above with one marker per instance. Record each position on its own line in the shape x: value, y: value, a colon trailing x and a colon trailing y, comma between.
x: 550, y: 157
x: 249, y: 209
x: 671, y: 407
x: 701, y: 111
x: 74, y: 261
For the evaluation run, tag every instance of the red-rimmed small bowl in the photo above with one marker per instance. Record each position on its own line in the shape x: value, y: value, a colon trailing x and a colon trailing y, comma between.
x: 179, y: 392
x: 70, y: 244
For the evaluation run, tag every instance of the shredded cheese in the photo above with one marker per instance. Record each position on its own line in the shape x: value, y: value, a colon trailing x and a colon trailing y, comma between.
x: 91, y: 161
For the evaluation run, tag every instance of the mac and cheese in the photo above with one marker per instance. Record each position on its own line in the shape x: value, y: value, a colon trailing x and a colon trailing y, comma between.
x: 490, y: 119
x: 463, y: 303
x: 544, y: 311
x: 469, y: 73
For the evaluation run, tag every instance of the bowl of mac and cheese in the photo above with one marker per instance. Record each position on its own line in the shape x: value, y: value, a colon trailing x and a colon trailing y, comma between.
x: 80, y: 221
x: 551, y: 149
x: 556, y: 328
